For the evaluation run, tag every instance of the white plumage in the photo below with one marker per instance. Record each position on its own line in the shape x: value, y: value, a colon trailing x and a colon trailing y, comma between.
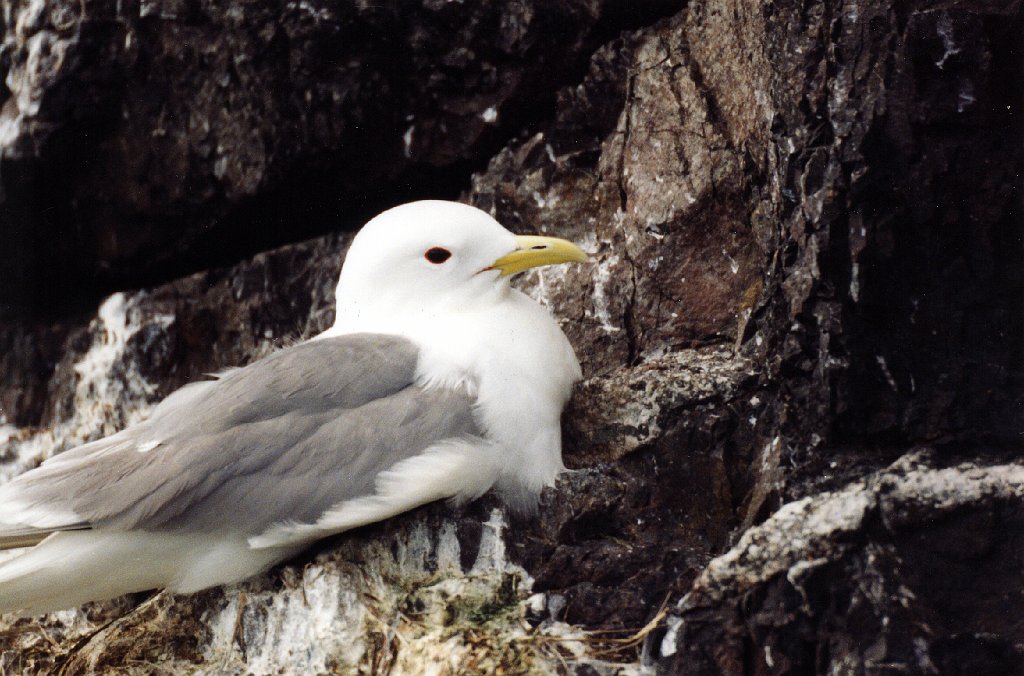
x: 437, y: 380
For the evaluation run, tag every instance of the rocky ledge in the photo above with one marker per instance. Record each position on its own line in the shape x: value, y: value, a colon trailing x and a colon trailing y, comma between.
x: 797, y: 447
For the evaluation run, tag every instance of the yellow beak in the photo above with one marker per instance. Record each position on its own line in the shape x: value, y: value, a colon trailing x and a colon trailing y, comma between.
x: 533, y: 251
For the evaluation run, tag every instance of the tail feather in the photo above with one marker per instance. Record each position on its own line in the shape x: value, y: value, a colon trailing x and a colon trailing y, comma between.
x: 22, y: 540
x: 17, y: 538
x: 70, y: 568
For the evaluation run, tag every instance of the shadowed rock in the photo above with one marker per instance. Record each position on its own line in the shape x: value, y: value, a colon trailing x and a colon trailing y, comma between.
x: 806, y: 232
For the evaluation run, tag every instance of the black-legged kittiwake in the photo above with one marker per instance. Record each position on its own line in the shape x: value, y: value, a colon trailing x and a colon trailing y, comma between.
x: 438, y: 380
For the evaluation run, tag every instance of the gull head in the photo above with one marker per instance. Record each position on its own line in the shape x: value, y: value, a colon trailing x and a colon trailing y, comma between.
x: 427, y: 259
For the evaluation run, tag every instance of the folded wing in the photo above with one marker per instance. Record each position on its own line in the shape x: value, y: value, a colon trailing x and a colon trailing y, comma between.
x: 282, y: 441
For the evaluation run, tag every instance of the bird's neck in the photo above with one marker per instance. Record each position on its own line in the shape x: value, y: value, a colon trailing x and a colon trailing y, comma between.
x: 520, y: 365
x: 510, y: 352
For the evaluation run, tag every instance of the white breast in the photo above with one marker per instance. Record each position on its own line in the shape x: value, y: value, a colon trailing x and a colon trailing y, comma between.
x: 522, y: 368
x: 510, y: 352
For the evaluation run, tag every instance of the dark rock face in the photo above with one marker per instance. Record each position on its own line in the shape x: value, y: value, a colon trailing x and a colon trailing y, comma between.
x: 876, y: 137
x: 912, y: 568
x: 143, y: 139
x: 656, y: 191
x: 201, y: 324
x: 796, y: 449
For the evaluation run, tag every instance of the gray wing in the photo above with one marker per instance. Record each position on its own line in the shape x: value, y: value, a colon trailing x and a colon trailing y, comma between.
x: 283, y: 439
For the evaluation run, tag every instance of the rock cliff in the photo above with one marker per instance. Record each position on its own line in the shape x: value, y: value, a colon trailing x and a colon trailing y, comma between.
x: 797, y: 447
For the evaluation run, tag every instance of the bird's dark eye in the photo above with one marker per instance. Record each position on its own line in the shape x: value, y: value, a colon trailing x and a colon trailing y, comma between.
x: 437, y: 255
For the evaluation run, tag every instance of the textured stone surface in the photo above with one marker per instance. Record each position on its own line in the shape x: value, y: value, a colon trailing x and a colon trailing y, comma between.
x: 140, y: 139
x: 652, y: 198
x: 806, y: 230
x: 913, y: 569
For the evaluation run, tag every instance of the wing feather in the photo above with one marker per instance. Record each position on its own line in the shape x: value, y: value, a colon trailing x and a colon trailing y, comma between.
x: 283, y: 439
